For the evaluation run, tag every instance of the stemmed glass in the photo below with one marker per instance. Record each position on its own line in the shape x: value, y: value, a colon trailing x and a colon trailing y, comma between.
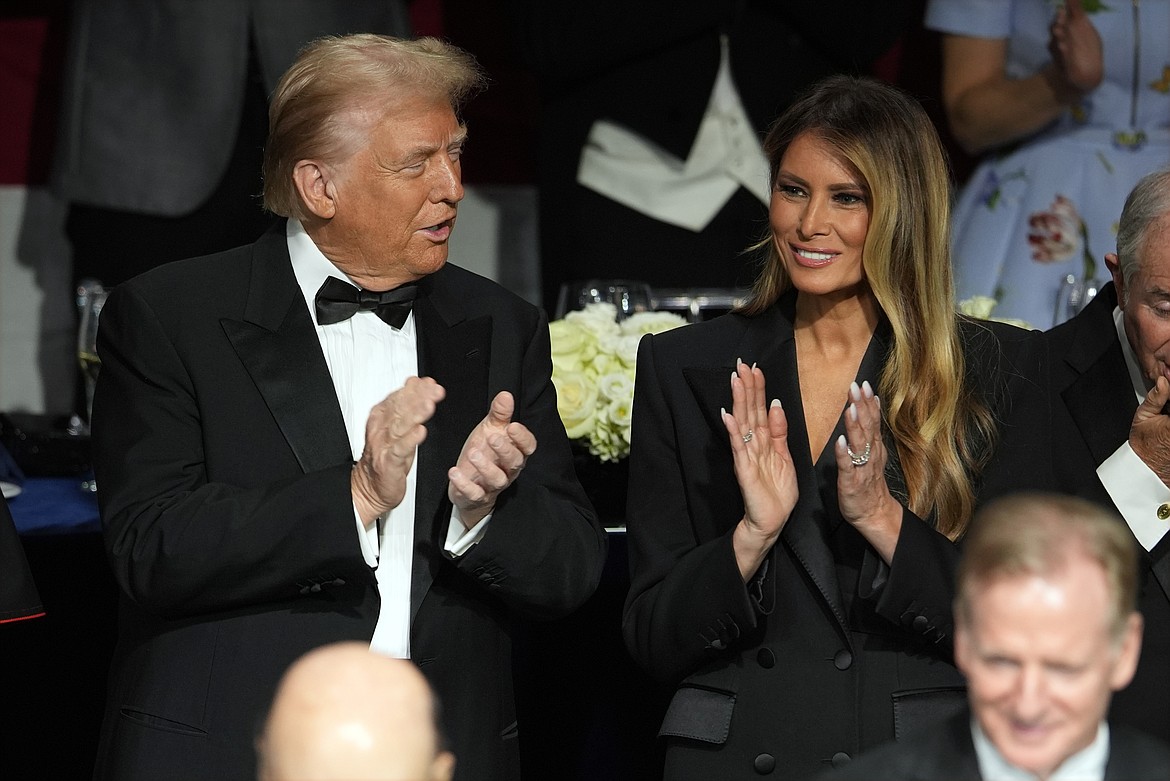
x: 1073, y: 296
x: 627, y: 295
x: 91, y: 297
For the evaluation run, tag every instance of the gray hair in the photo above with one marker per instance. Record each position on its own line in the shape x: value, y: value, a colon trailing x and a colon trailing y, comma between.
x: 1147, y: 203
x: 341, y: 86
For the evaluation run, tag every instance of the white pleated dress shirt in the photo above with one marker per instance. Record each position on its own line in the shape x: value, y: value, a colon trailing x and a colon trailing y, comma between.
x: 368, y: 359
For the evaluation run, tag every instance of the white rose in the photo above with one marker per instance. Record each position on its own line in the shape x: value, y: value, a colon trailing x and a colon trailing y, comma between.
x: 625, y: 349
x: 600, y: 319
x: 572, y: 346
x: 605, y: 362
x: 621, y: 412
x: 576, y: 403
x: 641, y: 323
x: 616, y: 386
x: 977, y: 306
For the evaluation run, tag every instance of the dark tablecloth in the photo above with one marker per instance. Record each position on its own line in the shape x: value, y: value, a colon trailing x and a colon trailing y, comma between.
x: 54, y: 505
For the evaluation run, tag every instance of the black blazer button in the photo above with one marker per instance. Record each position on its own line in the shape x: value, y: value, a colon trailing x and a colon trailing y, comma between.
x: 920, y: 624
x: 766, y: 658
x: 764, y: 764
x: 841, y: 759
x: 908, y: 618
x: 304, y: 591
x: 843, y: 660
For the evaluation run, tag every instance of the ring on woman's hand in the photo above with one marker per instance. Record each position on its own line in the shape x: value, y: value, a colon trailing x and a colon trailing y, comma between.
x: 858, y: 459
x: 748, y: 436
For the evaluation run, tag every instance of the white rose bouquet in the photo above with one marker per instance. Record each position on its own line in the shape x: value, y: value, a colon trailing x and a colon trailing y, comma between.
x: 982, y: 307
x: 593, y: 370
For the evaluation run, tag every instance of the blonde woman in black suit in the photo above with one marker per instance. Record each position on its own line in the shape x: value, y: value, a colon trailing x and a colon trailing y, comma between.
x: 792, y: 544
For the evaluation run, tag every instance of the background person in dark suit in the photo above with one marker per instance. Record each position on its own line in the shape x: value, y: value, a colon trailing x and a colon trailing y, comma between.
x: 1108, y: 438
x: 163, y: 117
x: 262, y: 495
x: 1045, y: 632
x: 683, y: 79
x: 792, y: 560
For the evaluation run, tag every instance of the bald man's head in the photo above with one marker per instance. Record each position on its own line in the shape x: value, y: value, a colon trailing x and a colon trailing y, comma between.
x: 344, y: 712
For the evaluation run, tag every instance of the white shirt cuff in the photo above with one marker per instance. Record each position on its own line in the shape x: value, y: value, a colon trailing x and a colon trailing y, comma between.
x: 459, y: 538
x: 1137, y: 493
x: 368, y: 539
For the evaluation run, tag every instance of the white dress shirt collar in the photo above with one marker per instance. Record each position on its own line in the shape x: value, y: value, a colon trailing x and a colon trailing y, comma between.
x: 311, y: 268
x: 1135, y: 371
x: 1088, y: 764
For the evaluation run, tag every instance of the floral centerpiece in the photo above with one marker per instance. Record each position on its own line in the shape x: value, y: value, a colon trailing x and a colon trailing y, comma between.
x: 982, y: 306
x: 593, y: 358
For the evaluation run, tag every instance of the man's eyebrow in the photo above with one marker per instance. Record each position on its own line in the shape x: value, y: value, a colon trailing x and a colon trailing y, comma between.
x: 423, y: 152
x: 1158, y: 292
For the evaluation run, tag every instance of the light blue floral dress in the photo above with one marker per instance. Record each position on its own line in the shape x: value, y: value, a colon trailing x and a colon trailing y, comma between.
x: 1046, y: 208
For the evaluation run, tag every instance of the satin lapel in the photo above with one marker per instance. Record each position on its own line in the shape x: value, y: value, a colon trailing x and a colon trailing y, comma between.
x: 768, y: 341
x: 1101, y: 380
x: 277, y: 344
x: 456, y: 353
x: 818, y: 489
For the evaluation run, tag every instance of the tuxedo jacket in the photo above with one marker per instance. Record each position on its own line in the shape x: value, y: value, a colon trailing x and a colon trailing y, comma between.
x: 946, y: 751
x: 224, y: 468
x: 153, y: 90
x: 1089, y: 409
x: 828, y: 650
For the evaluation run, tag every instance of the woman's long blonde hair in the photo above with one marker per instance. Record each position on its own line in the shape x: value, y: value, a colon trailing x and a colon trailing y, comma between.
x: 943, y: 432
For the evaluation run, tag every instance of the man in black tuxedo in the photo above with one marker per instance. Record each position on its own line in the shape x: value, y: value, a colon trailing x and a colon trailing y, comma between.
x: 1045, y: 632
x: 1108, y: 435
x: 287, y: 460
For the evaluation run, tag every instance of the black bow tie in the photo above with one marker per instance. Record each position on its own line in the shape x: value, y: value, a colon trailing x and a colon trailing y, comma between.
x: 338, y: 300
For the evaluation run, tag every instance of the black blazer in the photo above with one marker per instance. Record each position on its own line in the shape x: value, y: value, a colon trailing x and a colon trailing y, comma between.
x: 946, y: 751
x: 828, y: 650
x: 224, y: 469
x: 1090, y: 406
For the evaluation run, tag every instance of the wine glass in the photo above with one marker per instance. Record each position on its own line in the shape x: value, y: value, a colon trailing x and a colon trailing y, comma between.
x: 627, y: 295
x: 91, y: 297
x: 1073, y: 296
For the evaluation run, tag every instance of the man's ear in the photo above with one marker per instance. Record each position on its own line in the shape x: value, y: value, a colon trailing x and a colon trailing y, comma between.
x: 961, y: 646
x: 443, y: 767
x: 1128, y: 652
x: 315, y: 185
x: 1114, y: 265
